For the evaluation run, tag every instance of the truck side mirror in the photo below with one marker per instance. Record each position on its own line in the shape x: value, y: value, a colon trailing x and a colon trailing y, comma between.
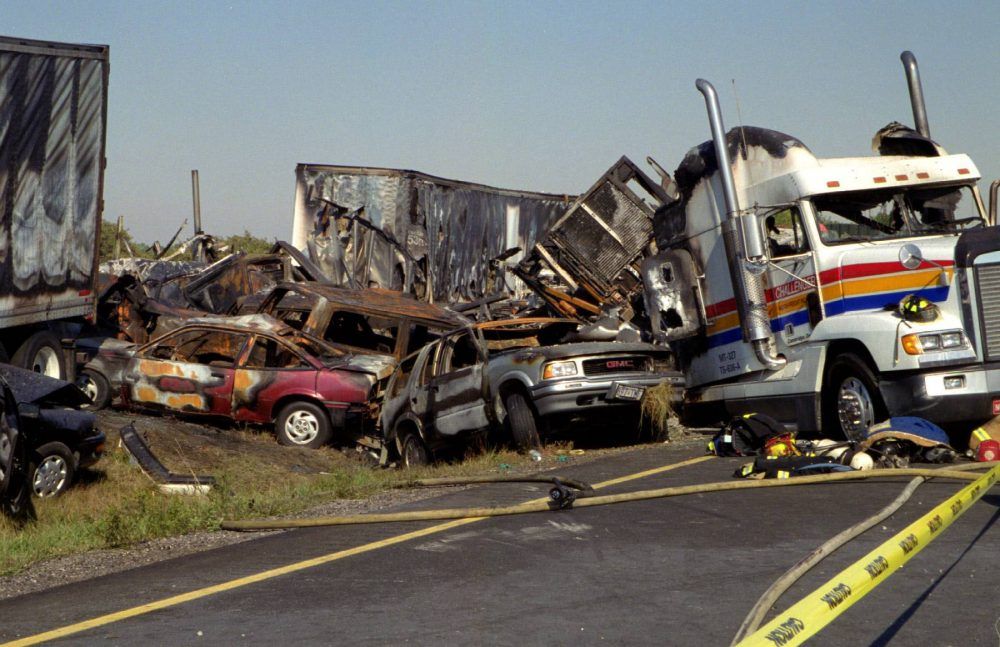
x: 993, y: 202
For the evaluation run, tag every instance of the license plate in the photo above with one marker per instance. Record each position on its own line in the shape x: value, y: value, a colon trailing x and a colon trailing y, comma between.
x: 627, y: 392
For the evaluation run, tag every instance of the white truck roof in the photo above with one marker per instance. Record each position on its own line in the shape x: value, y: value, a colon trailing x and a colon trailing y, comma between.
x: 817, y: 176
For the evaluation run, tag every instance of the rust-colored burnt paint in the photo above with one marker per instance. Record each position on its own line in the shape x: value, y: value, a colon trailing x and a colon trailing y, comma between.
x: 251, y: 402
x: 185, y: 401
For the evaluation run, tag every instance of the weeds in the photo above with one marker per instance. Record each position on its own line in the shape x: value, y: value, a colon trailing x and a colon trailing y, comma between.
x: 117, y: 506
x: 656, y: 408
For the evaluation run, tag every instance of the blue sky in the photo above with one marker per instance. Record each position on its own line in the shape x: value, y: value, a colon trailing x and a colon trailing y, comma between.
x: 529, y: 95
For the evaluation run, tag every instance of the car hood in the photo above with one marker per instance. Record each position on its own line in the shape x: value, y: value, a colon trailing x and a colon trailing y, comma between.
x: 381, y: 366
x: 559, y: 351
x: 35, y: 388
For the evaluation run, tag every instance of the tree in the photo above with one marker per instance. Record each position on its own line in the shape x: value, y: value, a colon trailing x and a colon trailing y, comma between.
x: 109, y: 231
x: 246, y: 242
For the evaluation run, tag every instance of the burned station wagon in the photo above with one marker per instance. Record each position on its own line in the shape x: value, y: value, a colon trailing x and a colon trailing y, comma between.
x: 512, y: 377
x: 256, y: 369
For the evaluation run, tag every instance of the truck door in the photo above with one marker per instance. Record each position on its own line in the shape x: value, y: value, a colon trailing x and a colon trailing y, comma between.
x: 793, y: 300
x: 457, y: 390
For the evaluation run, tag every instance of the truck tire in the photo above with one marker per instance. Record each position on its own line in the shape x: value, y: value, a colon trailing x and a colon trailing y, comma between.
x: 523, y: 426
x: 851, y: 400
x: 41, y: 353
x: 96, y: 387
x: 52, y: 469
x: 303, y: 424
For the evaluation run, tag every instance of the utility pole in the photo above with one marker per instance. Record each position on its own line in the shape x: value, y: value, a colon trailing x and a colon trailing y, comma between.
x: 199, y: 247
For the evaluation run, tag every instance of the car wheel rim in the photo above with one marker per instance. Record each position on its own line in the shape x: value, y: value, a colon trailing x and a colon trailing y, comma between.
x: 88, y: 386
x: 50, y: 476
x: 302, y: 427
x: 46, y: 362
x: 855, y: 408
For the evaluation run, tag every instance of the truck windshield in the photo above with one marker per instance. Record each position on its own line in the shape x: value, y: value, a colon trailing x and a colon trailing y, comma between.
x: 899, y: 212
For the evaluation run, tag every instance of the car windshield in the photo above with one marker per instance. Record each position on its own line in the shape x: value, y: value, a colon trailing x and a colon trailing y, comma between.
x: 314, y: 346
x: 901, y: 212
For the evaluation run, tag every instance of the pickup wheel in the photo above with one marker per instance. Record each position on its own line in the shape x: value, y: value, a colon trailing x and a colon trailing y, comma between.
x: 303, y: 424
x: 96, y: 387
x: 414, y: 451
x: 41, y: 353
x: 851, y: 400
x: 51, y: 470
x: 523, y: 426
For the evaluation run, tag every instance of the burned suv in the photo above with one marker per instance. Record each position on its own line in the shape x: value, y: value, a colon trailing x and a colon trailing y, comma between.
x: 513, y: 378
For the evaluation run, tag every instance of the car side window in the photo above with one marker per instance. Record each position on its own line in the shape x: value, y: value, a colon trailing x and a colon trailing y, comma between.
x: 402, y: 376
x: 269, y: 353
x: 460, y: 352
x: 428, y: 371
x: 212, y: 347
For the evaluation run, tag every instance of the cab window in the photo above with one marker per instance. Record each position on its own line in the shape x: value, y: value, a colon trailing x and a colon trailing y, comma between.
x: 785, y: 235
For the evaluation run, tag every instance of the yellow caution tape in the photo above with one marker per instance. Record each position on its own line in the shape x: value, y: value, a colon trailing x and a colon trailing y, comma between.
x: 821, y: 607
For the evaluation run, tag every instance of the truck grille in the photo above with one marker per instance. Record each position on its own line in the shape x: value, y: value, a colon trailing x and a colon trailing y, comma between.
x: 609, y: 365
x: 988, y: 284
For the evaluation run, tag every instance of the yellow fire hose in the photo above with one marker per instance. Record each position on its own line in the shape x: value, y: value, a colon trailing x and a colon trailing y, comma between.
x: 953, y: 472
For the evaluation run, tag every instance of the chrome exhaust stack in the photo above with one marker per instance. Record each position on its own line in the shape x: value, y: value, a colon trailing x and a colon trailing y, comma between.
x: 744, y: 245
x: 916, y: 93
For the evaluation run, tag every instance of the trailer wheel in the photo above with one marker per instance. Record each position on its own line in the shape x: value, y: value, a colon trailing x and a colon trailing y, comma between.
x: 851, y: 400
x: 96, y: 387
x: 303, y: 424
x: 51, y: 470
x: 523, y: 426
x: 41, y: 353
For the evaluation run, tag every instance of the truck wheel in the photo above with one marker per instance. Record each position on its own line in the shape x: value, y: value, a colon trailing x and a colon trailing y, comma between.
x: 415, y: 452
x: 41, y: 353
x: 523, y: 426
x: 851, y: 401
x: 51, y: 470
x: 96, y: 387
x: 303, y: 424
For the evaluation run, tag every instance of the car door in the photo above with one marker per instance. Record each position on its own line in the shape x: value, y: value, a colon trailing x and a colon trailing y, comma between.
x: 457, y: 391
x: 190, y: 370
x: 792, y: 293
x: 270, y: 370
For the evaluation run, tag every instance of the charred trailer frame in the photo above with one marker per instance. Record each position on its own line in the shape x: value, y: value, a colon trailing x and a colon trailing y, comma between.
x: 595, y: 249
x: 436, y: 238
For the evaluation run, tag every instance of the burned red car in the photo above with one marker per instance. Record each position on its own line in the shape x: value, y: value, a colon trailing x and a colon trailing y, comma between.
x: 256, y: 369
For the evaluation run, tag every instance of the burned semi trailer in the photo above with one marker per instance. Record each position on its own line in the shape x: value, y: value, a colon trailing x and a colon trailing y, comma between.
x: 53, y: 106
x: 441, y: 240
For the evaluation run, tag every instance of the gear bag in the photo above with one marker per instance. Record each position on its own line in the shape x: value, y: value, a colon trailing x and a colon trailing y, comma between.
x: 745, y: 435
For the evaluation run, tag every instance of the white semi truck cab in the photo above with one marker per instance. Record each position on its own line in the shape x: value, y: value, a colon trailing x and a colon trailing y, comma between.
x: 829, y: 293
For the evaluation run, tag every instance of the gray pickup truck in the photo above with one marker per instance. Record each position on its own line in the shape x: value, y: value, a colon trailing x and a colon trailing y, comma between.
x: 513, y: 377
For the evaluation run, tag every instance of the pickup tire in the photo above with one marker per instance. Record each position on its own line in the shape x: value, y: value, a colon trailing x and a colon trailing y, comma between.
x: 414, y: 452
x: 851, y: 400
x: 52, y: 469
x: 302, y: 424
x: 96, y: 387
x: 41, y: 353
x: 523, y: 425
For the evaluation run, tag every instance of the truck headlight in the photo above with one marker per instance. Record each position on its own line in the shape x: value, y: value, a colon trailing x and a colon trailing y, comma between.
x: 558, y: 369
x: 916, y: 344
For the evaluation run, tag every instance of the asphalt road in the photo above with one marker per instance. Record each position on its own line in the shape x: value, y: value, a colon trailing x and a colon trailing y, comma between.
x: 681, y: 571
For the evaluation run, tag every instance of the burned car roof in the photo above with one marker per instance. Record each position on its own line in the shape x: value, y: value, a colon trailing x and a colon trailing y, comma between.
x: 379, y: 303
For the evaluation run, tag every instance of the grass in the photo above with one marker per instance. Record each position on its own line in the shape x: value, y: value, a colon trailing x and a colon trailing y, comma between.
x: 656, y: 408
x: 119, y: 507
